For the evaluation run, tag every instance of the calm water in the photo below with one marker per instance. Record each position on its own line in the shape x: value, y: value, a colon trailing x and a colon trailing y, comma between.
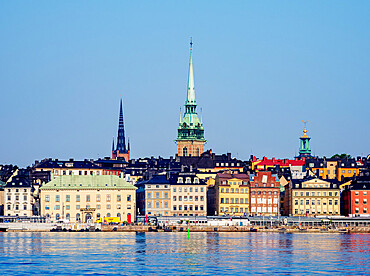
x: 173, y: 253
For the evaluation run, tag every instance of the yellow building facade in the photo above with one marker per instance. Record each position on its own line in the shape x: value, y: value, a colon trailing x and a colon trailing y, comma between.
x: 313, y: 197
x: 232, y: 194
x: 87, y: 198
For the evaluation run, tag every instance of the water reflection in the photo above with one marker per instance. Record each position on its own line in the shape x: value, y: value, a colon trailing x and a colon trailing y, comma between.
x: 174, y: 253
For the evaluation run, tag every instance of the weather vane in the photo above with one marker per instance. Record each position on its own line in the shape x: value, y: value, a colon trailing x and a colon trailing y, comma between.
x: 305, y: 122
x: 191, y: 43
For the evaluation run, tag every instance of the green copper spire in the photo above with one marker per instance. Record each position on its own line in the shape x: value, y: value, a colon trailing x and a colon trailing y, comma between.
x: 190, y: 99
x: 304, y: 149
x: 190, y: 127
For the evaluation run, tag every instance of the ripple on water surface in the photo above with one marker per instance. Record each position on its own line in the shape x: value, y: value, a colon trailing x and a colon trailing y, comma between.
x: 173, y: 253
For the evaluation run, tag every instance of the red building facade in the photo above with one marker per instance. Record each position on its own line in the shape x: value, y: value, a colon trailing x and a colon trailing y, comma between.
x: 264, y: 194
x: 356, y: 198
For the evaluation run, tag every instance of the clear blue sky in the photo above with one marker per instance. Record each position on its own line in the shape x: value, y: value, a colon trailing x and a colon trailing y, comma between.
x: 261, y: 67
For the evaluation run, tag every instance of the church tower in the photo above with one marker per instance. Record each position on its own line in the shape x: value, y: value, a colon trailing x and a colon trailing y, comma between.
x: 304, y: 149
x: 190, y: 139
x: 121, y: 150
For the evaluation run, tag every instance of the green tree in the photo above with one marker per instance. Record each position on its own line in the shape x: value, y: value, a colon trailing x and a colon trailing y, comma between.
x: 341, y: 156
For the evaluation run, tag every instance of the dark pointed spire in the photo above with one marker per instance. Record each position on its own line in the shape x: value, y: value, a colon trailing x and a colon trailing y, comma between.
x: 128, y: 144
x: 121, y: 141
x: 113, y: 145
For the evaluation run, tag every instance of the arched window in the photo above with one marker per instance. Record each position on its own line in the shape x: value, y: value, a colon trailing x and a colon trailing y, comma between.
x: 198, y: 152
x: 78, y: 217
x: 57, y: 216
x: 68, y: 216
x: 98, y: 215
x: 184, y: 151
x: 108, y: 215
x: 119, y: 216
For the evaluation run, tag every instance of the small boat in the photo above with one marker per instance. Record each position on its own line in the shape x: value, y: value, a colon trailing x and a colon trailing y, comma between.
x: 302, y: 230
x: 343, y: 231
x: 252, y: 230
x: 3, y: 229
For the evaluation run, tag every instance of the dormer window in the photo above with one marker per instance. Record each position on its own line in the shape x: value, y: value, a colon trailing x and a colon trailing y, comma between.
x: 188, y: 180
x: 180, y: 180
x: 196, y: 180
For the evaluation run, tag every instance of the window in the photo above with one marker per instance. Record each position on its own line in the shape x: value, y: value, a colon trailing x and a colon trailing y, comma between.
x: 231, y: 200
x: 78, y: 199
x: 174, y: 198
x: 196, y: 198
x: 190, y: 189
x: 180, y: 198
x: 165, y: 195
x: 46, y: 207
x: 68, y: 207
x: 174, y: 207
x: 118, y: 197
x: 24, y: 207
x: 87, y: 198
x: 226, y: 200
x: 236, y: 200
x: 296, y: 202
x: 174, y: 190
x: 68, y: 198
x: 241, y: 191
x: 185, y: 189
x: 57, y: 198
x: 313, y: 202
x: 191, y: 198
x: 180, y: 207
x: 202, y: 189
x: 241, y: 201
x: 185, y: 198
x: 222, y: 200
x: 129, y: 198
x: 180, y: 189
x: 196, y: 190
x: 108, y: 206
x: 149, y: 195
x: 57, y: 207
x: 166, y: 204
x: 98, y: 206
x: 201, y: 198
x: 149, y: 204
x: 157, y: 204
x: 25, y: 197
x: 307, y: 202
x: 98, y: 198
x: 232, y: 190
x: 78, y: 207
x: 185, y: 207
x: 17, y: 198
x: 201, y: 207
x: 108, y: 198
